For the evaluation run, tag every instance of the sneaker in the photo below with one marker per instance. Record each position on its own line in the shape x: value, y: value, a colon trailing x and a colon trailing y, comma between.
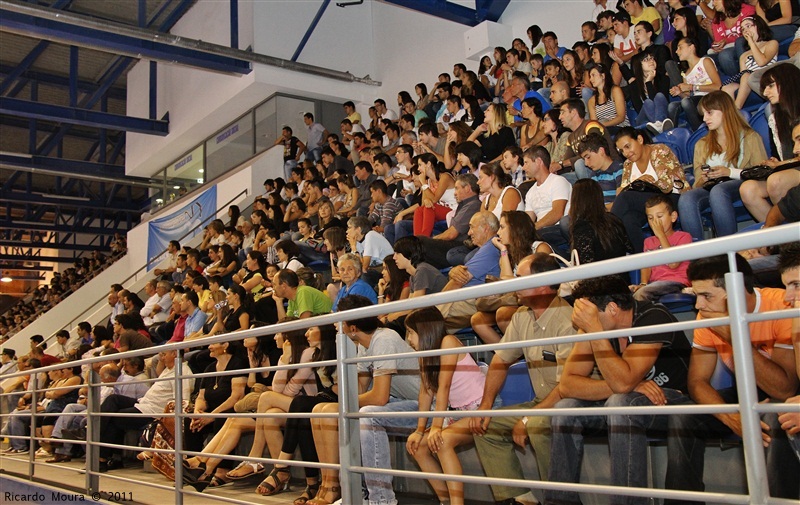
x: 655, y: 127
x: 667, y: 125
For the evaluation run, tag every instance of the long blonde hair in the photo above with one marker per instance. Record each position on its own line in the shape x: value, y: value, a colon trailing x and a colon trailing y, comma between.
x: 499, y: 110
x: 733, y: 125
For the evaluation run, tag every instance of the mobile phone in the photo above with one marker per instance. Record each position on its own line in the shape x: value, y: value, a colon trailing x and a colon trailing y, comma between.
x: 549, y: 356
x: 705, y: 168
x: 223, y: 303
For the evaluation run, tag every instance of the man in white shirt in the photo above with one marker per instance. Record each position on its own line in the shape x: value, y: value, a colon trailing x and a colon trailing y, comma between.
x: 153, y: 403
x: 60, y: 349
x: 383, y: 112
x: 371, y: 245
x: 454, y: 112
x: 158, y: 310
x: 316, y: 137
x: 168, y: 265
x: 547, y: 201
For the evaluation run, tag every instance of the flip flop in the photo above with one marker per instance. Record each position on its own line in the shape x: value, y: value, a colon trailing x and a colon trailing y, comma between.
x: 257, y: 468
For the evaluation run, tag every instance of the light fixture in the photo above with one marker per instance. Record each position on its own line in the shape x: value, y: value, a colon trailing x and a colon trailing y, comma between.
x: 5, y: 278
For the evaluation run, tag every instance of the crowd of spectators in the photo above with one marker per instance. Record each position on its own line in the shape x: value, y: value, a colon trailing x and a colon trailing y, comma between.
x: 62, y: 284
x: 481, y: 178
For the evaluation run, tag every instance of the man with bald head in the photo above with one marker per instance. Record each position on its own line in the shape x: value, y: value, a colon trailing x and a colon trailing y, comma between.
x: 559, y: 93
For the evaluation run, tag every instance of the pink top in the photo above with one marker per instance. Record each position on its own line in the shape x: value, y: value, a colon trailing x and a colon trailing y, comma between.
x: 729, y: 35
x: 467, y: 384
x: 663, y: 272
x: 302, y: 380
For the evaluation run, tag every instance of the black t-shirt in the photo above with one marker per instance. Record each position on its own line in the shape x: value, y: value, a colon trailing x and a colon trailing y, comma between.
x: 218, y: 389
x: 290, y: 148
x: 493, y: 145
x: 672, y: 365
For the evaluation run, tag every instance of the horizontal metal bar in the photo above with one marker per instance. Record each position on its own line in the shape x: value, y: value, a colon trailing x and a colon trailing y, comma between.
x: 86, y: 22
x: 47, y: 245
x: 62, y: 167
x: 60, y: 81
x: 85, y: 117
x: 20, y: 197
x: 110, y: 41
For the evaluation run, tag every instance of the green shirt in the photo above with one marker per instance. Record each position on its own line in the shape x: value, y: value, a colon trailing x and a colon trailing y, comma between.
x: 311, y: 300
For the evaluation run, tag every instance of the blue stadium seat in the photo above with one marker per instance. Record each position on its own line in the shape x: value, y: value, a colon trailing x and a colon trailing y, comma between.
x: 678, y: 302
x: 692, y: 141
x: 319, y: 266
x: 517, y: 387
x: 758, y: 122
x: 676, y: 139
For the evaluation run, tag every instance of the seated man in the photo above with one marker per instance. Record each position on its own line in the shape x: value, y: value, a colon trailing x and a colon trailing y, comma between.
x: 638, y: 370
x: 371, y: 245
x: 384, y: 207
x: 775, y: 376
x: 304, y: 301
x: 789, y: 268
x: 542, y: 314
x: 547, y: 201
x: 438, y: 246
x: 605, y: 170
x: 383, y: 386
x: 156, y: 309
x: 112, y: 429
x: 485, y: 261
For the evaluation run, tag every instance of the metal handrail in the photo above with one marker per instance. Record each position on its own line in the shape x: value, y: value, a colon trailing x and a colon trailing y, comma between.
x: 738, y: 320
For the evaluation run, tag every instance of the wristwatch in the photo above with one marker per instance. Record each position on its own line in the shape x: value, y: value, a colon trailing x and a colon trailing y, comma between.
x: 524, y: 420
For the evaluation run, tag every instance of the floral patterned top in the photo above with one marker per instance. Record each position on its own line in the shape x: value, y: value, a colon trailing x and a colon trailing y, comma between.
x: 670, y: 172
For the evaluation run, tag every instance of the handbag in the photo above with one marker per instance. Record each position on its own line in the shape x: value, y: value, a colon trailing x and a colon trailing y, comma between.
x: 709, y: 185
x: 641, y: 186
x: 762, y: 172
x: 249, y: 403
x: 164, y: 438
x: 566, y: 288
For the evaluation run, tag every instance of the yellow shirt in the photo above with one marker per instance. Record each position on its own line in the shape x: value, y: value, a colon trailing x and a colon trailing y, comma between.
x: 649, y: 14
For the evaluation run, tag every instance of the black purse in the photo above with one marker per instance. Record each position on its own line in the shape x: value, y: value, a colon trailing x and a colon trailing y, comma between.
x: 762, y: 172
x: 641, y: 186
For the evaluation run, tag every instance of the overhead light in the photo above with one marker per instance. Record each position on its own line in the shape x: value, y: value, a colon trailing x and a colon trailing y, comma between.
x: 64, y: 197
x: 176, y: 187
x: 5, y: 278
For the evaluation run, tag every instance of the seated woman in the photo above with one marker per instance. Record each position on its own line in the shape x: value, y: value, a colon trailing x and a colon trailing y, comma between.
x: 348, y: 188
x: 501, y: 196
x: 608, y: 103
x: 700, y: 79
x: 759, y: 196
x: 684, y: 19
x: 288, y: 255
x: 761, y: 50
x: 423, y: 279
x: 726, y: 29
x: 719, y: 158
x: 493, y: 135
x: 350, y: 270
x: 297, y: 432
x: 658, y: 169
x: 601, y: 54
x: 558, y: 136
x: 516, y: 238
x: 392, y: 286
x: 531, y: 133
x: 457, y: 134
x: 595, y: 234
x: 218, y: 394
x: 438, y: 198
x: 455, y: 382
x: 649, y: 94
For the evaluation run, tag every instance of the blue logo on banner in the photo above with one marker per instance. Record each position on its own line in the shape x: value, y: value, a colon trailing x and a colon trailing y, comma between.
x: 182, y: 224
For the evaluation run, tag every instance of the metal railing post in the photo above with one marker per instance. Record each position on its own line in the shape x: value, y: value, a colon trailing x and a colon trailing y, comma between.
x: 32, y: 444
x: 93, y: 432
x: 755, y: 463
x: 178, y: 368
x: 349, y: 438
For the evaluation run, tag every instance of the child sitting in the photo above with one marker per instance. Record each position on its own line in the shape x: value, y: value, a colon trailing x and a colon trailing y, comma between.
x: 663, y: 279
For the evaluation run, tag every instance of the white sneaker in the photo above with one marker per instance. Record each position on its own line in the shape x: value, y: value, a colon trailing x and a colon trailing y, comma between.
x: 655, y: 127
x: 667, y: 125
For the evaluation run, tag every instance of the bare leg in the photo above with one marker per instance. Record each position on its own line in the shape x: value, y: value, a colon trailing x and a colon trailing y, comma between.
x: 428, y: 463
x: 229, y: 442
x: 483, y: 325
x: 453, y: 436
x: 756, y: 199
x: 504, y: 315
x: 778, y: 184
x: 326, y: 439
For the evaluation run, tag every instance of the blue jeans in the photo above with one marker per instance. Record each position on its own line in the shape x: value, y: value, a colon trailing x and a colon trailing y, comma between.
x: 689, y: 107
x: 653, y: 110
x: 627, y: 441
x: 720, y: 200
x: 375, y: 445
x: 655, y: 290
x: 728, y: 59
x: 18, y: 423
x: 68, y: 422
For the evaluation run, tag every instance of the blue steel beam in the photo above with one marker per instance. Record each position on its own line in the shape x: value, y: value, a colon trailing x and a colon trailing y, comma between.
x: 487, y: 10
x: 47, y: 127
x: 64, y: 166
x: 10, y: 266
x: 49, y: 259
x: 60, y: 228
x: 85, y: 117
x: 59, y: 81
x: 119, y: 44
x: 52, y: 245
x: 311, y: 28
x: 67, y: 202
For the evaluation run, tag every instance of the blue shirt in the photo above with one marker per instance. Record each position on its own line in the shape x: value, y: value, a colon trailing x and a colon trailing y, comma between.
x: 484, y: 262
x: 194, y: 321
x: 560, y: 54
x: 609, y: 180
x: 531, y: 94
x: 359, y: 287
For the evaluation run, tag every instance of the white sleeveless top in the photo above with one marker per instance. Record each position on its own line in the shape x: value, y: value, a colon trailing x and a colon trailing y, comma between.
x: 498, y: 207
x: 698, y: 75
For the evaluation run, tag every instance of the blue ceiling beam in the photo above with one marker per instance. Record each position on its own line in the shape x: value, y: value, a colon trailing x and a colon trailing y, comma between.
x: 67, y: 202
x: 310, y: 30
x: 488, y: 10
x: 49, y: 259
x: 65, y: 166
x: 119, y: 44
x: 60, y: 82
x: 52, y: 245
x: 93, y: 136
x: 73, y: 115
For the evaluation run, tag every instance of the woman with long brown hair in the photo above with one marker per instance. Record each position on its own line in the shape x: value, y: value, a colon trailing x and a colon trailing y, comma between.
x: 720, y: 156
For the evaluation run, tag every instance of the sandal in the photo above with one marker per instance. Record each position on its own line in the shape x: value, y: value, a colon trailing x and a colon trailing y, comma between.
x: 280, y: 483
x: 191, y: 475
x: 218, y: 482
x: 308, y: 493
x: 200, y: 483
x: 322, y: 495
x: 257, y: 468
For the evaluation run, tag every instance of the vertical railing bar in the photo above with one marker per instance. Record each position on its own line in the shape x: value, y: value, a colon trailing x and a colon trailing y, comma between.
x: 32, y: 443
x: 178, y: 429
x: 93, y: 432
x: 755, y: 464
x: 349, y: 439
